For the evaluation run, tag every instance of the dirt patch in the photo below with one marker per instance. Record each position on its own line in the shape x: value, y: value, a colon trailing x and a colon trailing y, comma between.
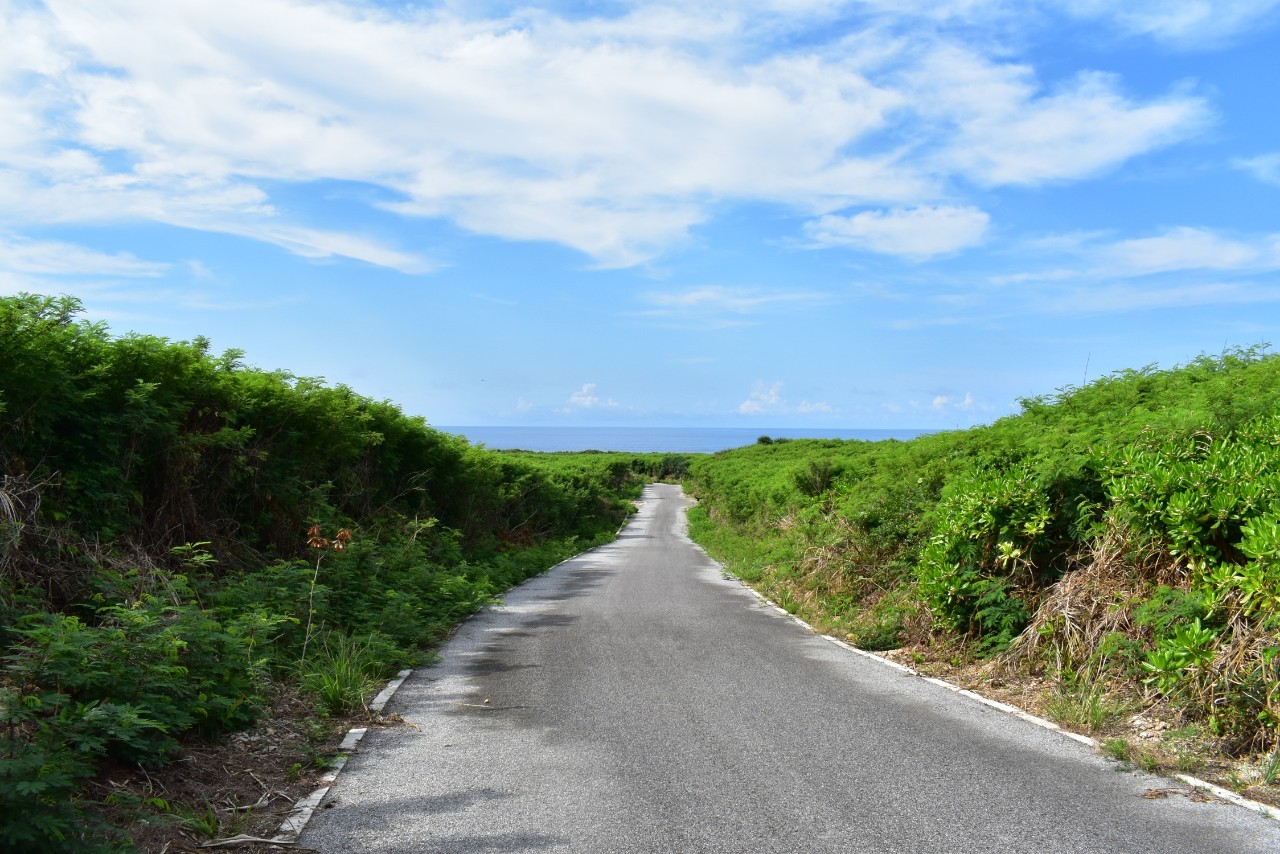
x: 243, y: 787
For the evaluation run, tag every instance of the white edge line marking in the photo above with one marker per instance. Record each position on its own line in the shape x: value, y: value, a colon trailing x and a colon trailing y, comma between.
x: 353, y: 738
x: 385, y: 695
x: 297, y: 820
x: 1228, y: 795
x: 293, y: 825
x: 1195, y: 782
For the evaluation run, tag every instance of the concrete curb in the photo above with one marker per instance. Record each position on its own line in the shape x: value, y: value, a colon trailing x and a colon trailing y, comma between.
x: 293, y: 825
x: 1195, y: 782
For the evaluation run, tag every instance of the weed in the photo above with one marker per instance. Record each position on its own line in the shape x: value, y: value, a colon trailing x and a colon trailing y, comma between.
x: 1189, y: 762
x: 1117, y: 748
x: 1271, y: 769
x: 1086, y: 706
x: 1235, y: 782
x: 345, y: 671
x: 786, y: 600
x: 203, y: 821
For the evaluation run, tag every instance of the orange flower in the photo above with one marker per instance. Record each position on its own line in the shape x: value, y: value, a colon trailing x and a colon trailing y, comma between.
x: 314, y: 540
x: 341, y: 539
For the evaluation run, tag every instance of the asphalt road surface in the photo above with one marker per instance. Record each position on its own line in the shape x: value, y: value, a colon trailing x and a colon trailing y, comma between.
x: 635, y: 699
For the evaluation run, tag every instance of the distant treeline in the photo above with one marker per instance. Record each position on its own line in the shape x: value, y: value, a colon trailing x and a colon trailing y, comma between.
x: 1128, y: 529
x: 177, y: 530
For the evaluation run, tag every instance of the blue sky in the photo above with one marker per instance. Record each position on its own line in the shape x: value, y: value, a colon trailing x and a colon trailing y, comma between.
x: 883, y: 213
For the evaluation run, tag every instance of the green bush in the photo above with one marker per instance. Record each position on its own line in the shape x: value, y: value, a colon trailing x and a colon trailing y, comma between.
x: 1142, y: 477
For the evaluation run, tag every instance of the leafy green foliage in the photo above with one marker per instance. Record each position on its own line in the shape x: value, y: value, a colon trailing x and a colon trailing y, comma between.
x: 978, y: 528
x: 47, y: 750
x: 155, y: 566
x: 173, y: 662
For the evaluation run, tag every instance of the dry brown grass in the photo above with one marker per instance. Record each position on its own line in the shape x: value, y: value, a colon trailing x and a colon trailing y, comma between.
x: 1094, y: 599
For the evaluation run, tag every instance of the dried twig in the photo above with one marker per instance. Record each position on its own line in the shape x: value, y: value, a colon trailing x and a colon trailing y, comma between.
x: 238, y: 841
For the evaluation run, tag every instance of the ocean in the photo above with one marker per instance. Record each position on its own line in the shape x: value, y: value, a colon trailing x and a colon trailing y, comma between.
x: 674, y: 440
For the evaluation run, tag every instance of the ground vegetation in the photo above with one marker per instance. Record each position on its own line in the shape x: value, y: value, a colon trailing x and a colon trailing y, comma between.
x: 1109, y: 555
x: 191, y: 546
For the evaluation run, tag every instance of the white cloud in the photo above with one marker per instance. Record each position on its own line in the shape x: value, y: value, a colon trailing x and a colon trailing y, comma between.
x: 807, y: 407
x: 764, y: 396
x: 919, y: 233
x: 1005, y: 130
x: 1264, y: 167
x: 1120, y: 298
x: 1178, y: 250
x: 54, y: 258
x: 1183, y: 23
x: 586, y: 398
x: 716, y: 298
x: 1182, y: 249
x: 947, y: 401
x: 616, y: 136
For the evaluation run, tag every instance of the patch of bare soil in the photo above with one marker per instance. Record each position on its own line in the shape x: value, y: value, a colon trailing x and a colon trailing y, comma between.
x: 234, y: 794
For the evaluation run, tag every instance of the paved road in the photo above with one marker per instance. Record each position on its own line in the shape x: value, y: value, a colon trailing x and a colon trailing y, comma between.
x: 633, y: 699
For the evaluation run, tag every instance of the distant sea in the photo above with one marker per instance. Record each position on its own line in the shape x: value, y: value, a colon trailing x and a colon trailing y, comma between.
x: 636, y: 440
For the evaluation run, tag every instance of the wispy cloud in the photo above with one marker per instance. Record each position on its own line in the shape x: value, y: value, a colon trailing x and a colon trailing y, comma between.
x: 1003, y: 128
x: 916, y: 233
x: 1181, y: 249
x: 56, y: 258
x: 1183, y: 23
x: 1126, y: 297
x: 713, y: 299
x: 1188, y: 249
x: 1264, y: 167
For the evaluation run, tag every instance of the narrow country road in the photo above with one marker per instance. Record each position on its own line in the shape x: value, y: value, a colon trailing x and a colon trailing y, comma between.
x: 633, y: 699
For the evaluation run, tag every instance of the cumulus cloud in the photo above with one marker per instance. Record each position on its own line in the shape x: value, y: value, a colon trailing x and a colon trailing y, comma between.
x: 917, y: 233
x: 947, y: 401
x: 764, y: 396
x: 586, y: 398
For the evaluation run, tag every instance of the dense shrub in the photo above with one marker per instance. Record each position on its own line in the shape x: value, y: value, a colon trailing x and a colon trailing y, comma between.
x: 968, y: 533
x: 155, y: 560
